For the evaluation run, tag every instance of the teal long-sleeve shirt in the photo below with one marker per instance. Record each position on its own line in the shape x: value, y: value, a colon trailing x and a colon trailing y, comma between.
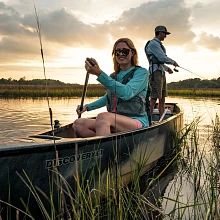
x: 139, y: 83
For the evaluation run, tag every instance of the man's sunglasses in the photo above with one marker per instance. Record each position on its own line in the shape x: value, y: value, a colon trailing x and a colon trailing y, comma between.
x: 123, y: 52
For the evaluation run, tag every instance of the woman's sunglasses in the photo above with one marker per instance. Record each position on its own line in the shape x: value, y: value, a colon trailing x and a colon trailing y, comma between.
x: 123, y: 52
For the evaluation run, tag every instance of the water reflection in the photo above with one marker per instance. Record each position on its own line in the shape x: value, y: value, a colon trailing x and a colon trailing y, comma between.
x: 19, y: 117
x: 23, y: 117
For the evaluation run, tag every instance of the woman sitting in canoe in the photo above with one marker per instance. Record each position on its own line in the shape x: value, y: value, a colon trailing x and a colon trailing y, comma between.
x: 125, y: 96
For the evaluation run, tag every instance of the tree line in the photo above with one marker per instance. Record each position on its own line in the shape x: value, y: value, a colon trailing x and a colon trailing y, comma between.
x: 182, y: 84
x: 195, y: 83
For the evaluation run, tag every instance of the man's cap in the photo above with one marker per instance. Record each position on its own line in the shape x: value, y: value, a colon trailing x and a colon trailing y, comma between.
x: 162, y: 29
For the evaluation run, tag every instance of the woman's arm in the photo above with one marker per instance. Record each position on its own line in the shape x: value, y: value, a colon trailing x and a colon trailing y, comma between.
x: 97, y: 104
x: 138, y: 83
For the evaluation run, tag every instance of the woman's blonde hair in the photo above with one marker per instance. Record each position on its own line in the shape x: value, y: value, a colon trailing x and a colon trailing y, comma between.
x: 134, y: 59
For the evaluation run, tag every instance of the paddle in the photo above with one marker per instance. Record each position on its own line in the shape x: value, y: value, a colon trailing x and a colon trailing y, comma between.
x: 79, y: 116
x: 85, y: 86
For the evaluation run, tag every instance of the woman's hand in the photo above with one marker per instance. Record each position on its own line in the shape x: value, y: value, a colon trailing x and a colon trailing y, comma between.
x: 79, y: 112
x: 95, y: 70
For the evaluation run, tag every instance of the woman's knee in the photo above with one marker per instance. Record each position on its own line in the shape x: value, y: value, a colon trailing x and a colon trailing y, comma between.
x: 102, y: 116
x: 78, y: 123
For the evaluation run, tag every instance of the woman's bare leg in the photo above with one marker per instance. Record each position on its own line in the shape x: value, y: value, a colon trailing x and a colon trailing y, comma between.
x: 107, y: 122
x: 103, y: 125
x: 84, y: 127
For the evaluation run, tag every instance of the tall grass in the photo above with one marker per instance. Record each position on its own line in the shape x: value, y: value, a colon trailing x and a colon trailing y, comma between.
x: 19, y: 91
x: 195, y: 92
x: 34, y: 91
x: 197, y: 184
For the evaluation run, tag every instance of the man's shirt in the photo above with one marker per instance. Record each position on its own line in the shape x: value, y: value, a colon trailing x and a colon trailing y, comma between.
x: 155, y: 48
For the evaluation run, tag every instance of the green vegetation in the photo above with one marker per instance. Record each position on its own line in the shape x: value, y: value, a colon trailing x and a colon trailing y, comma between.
x: 34, y: 91
x: 195, y: 83
x: 22, y: 88
x: 195, y: 92
x: 198, y: 177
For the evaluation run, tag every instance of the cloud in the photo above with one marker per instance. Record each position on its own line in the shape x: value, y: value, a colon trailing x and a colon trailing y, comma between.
x: 191, y: 47
x: 202, y: 18
x: 209, y: 41
x: 62, y: 27
x: 140, y: 22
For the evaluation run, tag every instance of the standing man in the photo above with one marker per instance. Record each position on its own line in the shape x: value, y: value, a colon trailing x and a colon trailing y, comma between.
x: 156, y: 54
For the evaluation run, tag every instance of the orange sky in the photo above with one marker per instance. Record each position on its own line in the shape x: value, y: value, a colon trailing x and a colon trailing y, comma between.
x: 73, y: 30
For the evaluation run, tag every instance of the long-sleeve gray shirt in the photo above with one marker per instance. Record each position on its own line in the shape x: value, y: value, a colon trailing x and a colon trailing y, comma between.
x: 155, y: 48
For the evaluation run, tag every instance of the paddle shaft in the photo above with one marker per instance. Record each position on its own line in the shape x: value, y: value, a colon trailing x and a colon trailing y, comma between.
x: 84, y: 93
x: 85, y: 86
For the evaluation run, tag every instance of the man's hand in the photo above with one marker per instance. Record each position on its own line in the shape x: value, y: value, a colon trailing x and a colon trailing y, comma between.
x: 175, y: 64
x: 170, y: 71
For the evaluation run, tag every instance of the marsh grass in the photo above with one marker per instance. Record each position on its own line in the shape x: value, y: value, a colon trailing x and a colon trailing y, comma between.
x: 75, y: 90
x: 197, y: 183
x: 195, y: 92
x: 35, y: 91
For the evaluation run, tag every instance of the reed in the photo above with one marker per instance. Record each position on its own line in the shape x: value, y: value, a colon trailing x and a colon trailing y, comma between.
x: 195, y: 92
x: 199, y: 173
x: 34, y: 91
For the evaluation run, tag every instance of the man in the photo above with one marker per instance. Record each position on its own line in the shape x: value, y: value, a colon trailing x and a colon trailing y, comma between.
x: 156, y: 54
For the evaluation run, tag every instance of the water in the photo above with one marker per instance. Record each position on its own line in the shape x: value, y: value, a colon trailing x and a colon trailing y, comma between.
x: 21, y: 117
x: 24, y: 117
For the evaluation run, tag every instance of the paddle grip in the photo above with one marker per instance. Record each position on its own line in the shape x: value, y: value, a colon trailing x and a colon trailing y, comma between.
x: 90, y: 61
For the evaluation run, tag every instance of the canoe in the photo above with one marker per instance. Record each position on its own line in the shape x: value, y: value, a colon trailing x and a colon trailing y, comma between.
x: 33, y: 163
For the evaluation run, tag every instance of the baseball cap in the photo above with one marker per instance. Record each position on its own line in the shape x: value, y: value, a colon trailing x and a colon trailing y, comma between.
x: 162, y: 29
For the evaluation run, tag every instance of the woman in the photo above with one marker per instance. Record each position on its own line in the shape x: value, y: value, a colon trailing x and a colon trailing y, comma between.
x: 125, y: 97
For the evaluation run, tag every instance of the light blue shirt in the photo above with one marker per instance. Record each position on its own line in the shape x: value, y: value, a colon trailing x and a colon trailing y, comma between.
x: 154, y: 47
x: 139, y: 83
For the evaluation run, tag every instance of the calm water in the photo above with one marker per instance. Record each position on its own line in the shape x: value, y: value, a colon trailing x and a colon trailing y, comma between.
x: 20, y: 118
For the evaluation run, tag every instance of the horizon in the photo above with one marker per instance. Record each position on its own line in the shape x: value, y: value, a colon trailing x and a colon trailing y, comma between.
x: 99, y: 83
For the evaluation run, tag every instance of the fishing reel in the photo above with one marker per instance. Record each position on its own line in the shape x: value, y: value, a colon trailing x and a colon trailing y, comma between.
x: 176, y: 70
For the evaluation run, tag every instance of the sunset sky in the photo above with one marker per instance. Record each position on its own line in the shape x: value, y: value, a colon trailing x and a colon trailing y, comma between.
x: 75, y: 29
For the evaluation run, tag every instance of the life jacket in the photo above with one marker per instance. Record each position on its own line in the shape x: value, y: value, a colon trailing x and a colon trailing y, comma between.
x: 136, y: 106
x: 151, y: 57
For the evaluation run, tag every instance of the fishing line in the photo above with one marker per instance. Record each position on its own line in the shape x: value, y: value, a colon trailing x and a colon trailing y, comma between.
x: 200, y: 77
x: 176, y: 70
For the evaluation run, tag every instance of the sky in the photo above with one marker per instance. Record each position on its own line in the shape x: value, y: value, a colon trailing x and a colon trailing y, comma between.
x: 72, y: 30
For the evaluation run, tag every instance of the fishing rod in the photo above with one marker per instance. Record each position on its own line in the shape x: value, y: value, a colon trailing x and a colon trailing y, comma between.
x: 176, y: 70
